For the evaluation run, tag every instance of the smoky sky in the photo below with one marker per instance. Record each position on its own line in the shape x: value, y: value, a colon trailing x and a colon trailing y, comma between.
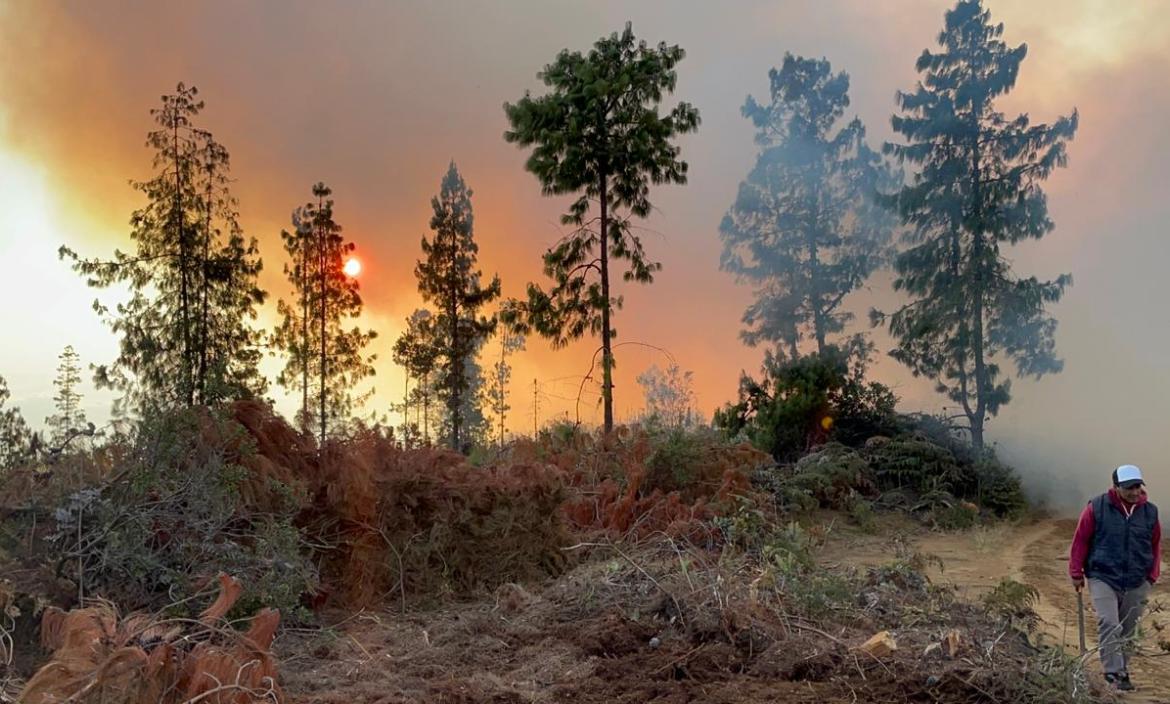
x: 376, y: 98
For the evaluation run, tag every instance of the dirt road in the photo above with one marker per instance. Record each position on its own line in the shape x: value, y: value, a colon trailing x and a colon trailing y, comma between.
x: 1034, y: 553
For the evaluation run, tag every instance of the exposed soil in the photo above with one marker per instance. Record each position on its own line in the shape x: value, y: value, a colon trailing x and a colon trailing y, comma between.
x: 606, y: 632
x: 1035, y: 553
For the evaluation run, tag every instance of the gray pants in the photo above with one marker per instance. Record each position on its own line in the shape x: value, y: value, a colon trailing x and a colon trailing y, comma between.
x: 1117, y: 619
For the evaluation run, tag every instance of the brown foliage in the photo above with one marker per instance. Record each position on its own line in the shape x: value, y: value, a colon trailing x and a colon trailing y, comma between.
x: 276, y: 453
x: 99, y: 656
x: 426, y: 521
x: 626, y: 489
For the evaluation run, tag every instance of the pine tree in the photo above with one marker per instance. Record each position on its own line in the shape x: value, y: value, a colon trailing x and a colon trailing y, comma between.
x: 475, y: 426
x: 805, y: 228
x: 597, y: 133
x: 185, y: 334
x: 323, y: 360
x: 501, y: 377
x: 69, y: 420
x: 228, y: 347
x: 416, y: 351
x: 448, y: 279
x: 15, y: 437
x: 977, y: 192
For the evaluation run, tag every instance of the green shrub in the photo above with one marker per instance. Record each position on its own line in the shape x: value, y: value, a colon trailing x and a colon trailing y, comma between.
x: 800, y: 403
x: 960, y: 516
x: 914, y: 463
x: 999, y: 489
x: 1014, y: 602
x: 673, y: 464
x: 861, y: 512
x: 177, y: 517
x: 783, y: 413
x: 832, y: 477
x: 747, y: 528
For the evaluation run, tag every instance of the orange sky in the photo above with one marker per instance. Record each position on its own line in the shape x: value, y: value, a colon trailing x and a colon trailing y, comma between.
x: 375, y: 98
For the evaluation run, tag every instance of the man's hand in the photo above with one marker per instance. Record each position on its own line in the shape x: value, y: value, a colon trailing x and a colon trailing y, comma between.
x: 1078, y: 583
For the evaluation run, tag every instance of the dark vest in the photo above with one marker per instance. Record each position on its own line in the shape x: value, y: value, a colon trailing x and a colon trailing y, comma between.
x: 1123, y: 551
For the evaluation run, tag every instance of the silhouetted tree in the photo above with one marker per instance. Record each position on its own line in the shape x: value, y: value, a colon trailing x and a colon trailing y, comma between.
x: 323, y: 360
x: 500, y: 378
x: 185, y: 334
x: 449, y: 279
x: 597, y: 133
x: 416, y: 351
x: 69, y: 419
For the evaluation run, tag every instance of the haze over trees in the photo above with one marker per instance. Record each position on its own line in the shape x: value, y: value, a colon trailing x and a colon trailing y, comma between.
x: 805, y: 229
x: 811, y: 222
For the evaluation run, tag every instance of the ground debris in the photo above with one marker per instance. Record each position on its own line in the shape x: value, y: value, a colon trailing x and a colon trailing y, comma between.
x: 98, y: 655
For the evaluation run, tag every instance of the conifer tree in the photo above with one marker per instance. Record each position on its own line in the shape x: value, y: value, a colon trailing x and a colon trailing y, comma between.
x: 69, y: 419
x: 977, y: 192
x: 805, y: 228
x: 449, y: 279
x: 15, y: 437
x: 497, y: 391
x: 416, y: 352
x: 597, y: 133
x: 323, y: 360
x: 186, y: 334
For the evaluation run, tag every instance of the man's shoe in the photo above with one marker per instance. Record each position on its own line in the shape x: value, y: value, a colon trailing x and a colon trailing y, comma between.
x: 1124, y: 684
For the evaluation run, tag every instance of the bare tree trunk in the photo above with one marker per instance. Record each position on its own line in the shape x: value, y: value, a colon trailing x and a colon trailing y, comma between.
x: 305, y: 288
x: 324, y: 306
x: 606, y: 333
x: 188, y: 388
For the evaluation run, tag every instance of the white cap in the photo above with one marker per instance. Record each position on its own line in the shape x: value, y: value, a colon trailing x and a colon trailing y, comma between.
x: 1127, y: 474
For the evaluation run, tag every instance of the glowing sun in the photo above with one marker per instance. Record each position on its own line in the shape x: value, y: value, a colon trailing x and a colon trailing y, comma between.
x: 353, y: 267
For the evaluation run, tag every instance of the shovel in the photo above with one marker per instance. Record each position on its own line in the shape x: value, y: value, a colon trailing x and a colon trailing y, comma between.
x: 1081, y: 619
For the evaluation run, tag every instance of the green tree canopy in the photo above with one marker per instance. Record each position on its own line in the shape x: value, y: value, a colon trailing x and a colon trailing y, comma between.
x: 976, y: 192
x: 597, y: 133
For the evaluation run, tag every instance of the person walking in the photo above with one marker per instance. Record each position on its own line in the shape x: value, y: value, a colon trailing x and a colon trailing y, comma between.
x: 1116, y: 551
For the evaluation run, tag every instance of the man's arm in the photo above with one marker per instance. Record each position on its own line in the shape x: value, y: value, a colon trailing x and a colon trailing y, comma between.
x: 1156, y: 543
x: 1078, y: 553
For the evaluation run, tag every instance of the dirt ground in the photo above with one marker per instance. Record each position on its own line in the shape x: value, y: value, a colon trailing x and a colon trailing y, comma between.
x: 550, y: 646
x: 556, y: 643
x: 1035, y: 553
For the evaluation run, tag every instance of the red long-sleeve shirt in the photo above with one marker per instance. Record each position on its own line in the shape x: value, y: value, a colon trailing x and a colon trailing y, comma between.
x: 1082, y: 542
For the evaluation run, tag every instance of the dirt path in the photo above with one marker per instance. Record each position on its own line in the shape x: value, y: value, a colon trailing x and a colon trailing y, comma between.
x: 1036, y: 554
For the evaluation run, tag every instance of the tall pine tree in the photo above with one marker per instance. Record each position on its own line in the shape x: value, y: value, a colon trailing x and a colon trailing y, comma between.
x: 448, y: 279
x: 323, y: 360
x: 597, y: 133
x: 186, y: 334
x: 977, y: 191
x: 805, y: 228
x: 69, y: 420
